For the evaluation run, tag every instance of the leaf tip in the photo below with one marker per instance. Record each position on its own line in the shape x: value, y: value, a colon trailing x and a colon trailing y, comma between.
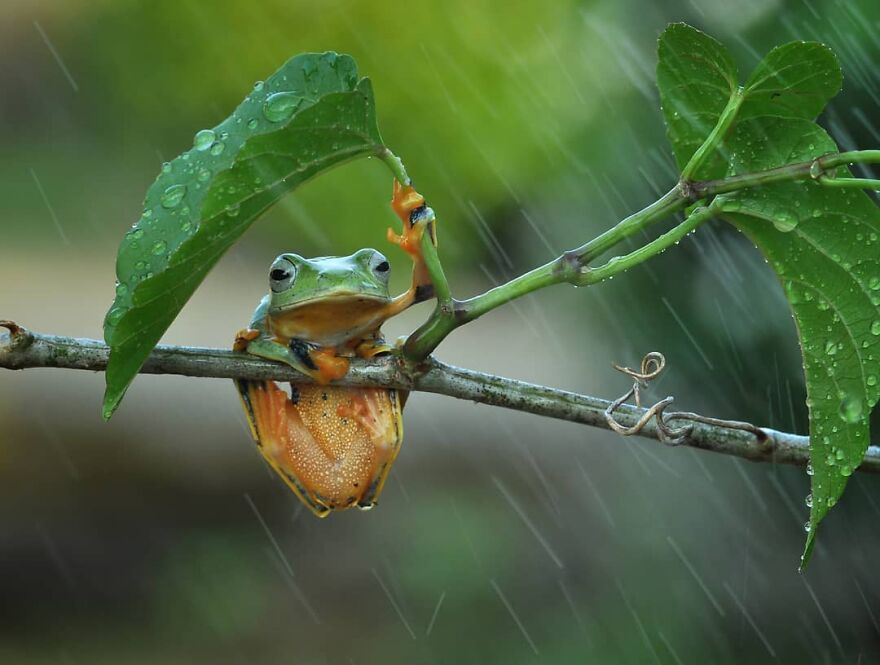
x: 808, y: 548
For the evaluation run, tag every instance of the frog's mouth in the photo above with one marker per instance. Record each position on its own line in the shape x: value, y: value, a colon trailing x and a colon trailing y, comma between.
x: 331, y: 320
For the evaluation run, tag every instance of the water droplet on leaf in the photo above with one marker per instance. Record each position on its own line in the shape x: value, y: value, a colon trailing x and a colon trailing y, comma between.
x: 203, y: 139
x: 115, y: 315
x: 851, y: 411
x: 172, y: 196
x: 280, y: 106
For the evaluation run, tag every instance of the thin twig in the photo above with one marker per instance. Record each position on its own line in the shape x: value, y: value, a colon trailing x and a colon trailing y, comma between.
x: 652, y: 365
x: 21, y: 349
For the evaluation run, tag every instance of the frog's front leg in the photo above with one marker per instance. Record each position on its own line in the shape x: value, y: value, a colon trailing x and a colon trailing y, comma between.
x: 417, y: 219
x: 323, y: 365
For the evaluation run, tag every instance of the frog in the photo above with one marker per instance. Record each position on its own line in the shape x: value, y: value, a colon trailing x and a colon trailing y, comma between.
x: 333, y: 445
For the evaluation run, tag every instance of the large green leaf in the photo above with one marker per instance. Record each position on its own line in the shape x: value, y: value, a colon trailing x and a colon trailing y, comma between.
x: 822, y: 243
x: 696, y: 77
x: 310, y: 115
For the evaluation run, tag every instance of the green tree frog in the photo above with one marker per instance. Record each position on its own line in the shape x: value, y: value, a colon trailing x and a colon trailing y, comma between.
x: 332, y: 445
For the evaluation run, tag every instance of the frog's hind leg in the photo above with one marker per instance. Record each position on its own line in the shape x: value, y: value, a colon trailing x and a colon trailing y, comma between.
x: 378, y: 413
x: 266, y: 408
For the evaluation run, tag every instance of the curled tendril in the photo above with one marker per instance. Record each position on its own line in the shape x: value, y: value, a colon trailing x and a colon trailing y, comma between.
x: 651, y: 367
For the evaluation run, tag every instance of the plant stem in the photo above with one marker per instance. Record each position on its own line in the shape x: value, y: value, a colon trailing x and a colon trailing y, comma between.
x: 853, y: 157
x: 26, y: 349
x: 725, y: 122
x: 566, y: 268
x: 435, y: 269
x: 395, y: 165
x: 622, y: 263
x: 669, y: 203
x: 850, y: 183
x: 571, y: 266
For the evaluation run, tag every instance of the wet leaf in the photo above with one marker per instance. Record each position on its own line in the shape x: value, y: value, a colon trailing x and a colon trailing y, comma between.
x: 312, y: 114
x: 822, y: 243
x: 696, y: 77
x: 795, y: 80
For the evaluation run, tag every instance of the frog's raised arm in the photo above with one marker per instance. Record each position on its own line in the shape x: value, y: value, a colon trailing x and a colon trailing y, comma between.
x: 417, y: 219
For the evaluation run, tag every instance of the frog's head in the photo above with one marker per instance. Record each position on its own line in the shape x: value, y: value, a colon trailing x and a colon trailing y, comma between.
x: 358, y: 280
x: 329, y: 300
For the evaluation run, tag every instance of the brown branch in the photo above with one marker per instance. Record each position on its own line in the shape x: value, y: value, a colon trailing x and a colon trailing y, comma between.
x: 22, y: 349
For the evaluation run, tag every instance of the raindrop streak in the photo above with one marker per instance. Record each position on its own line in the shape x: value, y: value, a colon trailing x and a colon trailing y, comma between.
x: 55, y: 555
x: 696, y: 576
x: 515, y: 617
x: 56, y: 56
x: 638, y: 621
x: 300, y: 596
x: 528, y: 522
x: 247, y: 497
x: 867, y: 606
x: 434, y: 615
x: 597, y: 496
x: 49, y: 206
x: 823, y: 615
x: 751, y: 621
x: 688, y: 333
x: 394, y: 604
x: 669, y: 647
x: 574, y: 611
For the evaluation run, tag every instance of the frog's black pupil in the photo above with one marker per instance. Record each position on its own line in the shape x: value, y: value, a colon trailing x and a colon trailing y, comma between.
x: 278, y: 274
x: 383, y: 267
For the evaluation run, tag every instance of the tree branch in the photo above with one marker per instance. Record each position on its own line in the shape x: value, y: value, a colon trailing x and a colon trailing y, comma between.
x: 22, y: 349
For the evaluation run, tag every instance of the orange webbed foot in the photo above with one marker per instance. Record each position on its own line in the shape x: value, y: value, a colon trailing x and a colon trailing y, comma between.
x: 329, y: 365
x: 244, y: 337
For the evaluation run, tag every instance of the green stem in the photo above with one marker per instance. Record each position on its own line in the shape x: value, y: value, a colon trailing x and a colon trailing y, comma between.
x: 854, y: 183
x: 566, y: 268
x: 570, y: 267
x: 725, y: 122
x: 435, y: 269
x: 670, y: 202
x: 395, y: 165
x: 852, y: 157
x: 815, y: 168
x: 622, y: 263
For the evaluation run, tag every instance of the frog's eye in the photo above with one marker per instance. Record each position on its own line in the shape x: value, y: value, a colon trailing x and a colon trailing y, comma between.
x: 380, y: 266
x: 281, y: 275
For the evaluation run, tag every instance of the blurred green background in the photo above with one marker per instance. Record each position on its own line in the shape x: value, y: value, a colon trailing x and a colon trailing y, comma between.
x: 501, y: 538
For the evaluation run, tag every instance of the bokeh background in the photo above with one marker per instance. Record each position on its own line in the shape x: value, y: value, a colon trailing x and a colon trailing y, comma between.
x: 161, y: 537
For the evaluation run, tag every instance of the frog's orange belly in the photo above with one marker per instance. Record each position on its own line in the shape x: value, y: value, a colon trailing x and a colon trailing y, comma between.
x: 332, y: 322
x: 333, y: 445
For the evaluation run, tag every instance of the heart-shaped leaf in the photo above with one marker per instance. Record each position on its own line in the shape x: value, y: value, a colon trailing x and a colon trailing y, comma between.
x: 822, y: 243
x: 312, y: 114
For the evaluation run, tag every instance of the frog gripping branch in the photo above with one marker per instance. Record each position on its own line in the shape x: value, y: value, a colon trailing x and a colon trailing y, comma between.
x: 332, y: 445
x: 751, y: 155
